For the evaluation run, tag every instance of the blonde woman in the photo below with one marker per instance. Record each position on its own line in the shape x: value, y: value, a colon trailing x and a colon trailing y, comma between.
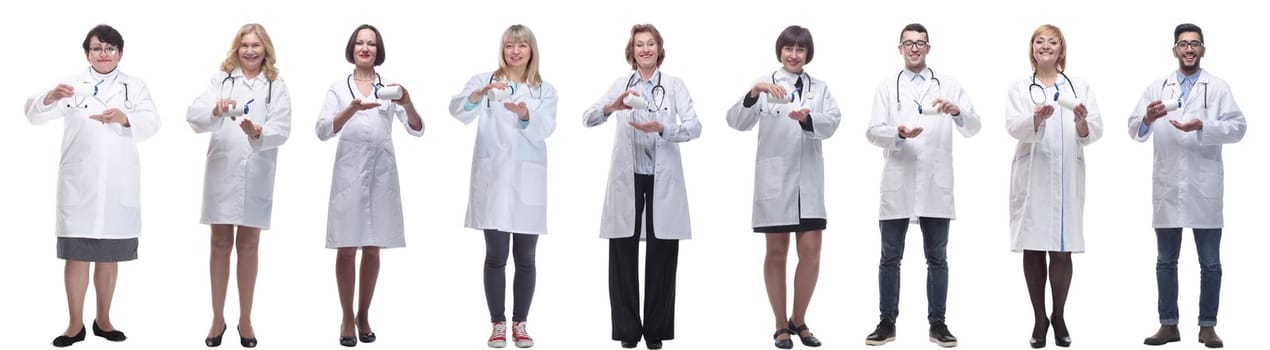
x: 247, y: 109
x: 508, y: 198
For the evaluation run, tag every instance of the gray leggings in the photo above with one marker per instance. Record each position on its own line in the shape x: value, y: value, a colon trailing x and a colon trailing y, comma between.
x: 497, y: 244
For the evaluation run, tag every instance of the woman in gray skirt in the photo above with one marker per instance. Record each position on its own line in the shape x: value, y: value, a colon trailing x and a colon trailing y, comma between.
x: 105, y: 114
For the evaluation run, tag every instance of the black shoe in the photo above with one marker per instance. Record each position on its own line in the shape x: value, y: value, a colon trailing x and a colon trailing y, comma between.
x: 63, y: 341
x: 653, y: 344
x: 940, y: 335
x: 245, y: 341
x: 368, y: 337
x: 629, y: 344
x: 1166, y: 334
x: 810, y: 340
x: 783, y: 343
x: 212, y: 342
x: 348, y: 341
x: 884, y: 333
x: 114, y: 335
x: 1038, y: 340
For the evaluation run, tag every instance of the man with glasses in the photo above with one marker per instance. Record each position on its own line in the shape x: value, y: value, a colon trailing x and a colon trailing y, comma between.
x: 1201, y: 116
x: 914, y: 115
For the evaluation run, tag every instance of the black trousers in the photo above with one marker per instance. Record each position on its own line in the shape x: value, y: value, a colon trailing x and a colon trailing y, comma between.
x: 659, y: 276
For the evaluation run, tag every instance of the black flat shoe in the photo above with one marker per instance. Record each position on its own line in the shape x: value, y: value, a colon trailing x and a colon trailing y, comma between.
x: 215, y: 341
x: 63, y: 341
x: 783, y: 343
x: 368, y: 337
x: 245, y: 341
x: 629, y: 344
x: 654, y: 345
x: 114, y: 335
x: 810, y: 340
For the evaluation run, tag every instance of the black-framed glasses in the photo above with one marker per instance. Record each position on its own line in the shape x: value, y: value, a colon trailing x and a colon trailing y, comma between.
x: 1193, y: 44
x: 108, y: 49
x: 908, y: 44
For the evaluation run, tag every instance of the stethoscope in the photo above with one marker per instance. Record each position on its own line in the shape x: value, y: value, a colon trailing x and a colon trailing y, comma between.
x: 939, y: 87
x: 379, y: 83
x: 1056, y: 91
x: 660, y: 98
x: 81, y: 103
x: 511, y: 90
x: 234, y: 81
x: 798, y: 91
x: 1167, y: 84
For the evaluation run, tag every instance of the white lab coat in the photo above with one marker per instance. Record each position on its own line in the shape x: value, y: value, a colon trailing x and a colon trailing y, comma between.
x: 99, y: 175
x: 917, y: 174
x: 1047, y: 178
x: 1188, y: 172
x: 365, y: 204
x: 509, y: 164
x: 238, y: 181
x: 789, y: 167
x: 670, y: 197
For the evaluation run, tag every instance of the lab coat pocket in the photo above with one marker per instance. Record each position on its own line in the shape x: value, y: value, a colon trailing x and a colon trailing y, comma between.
x: 892, y: 179
x: 1210, y: 180
x: 130, y: 184
x: 533, y: 184
x: 1020, y: 179
x: 768, y: 178
x: 73, y: 189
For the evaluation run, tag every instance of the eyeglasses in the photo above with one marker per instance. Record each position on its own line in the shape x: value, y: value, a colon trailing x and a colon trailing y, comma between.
x: 1193, y: 44
x: 908, y: 44
x: 109, y: 50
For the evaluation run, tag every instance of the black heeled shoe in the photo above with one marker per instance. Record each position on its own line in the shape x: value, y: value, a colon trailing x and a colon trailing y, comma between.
x: 212, y: 342
x: 115, y: 335
x: 368, y: 337
x: 1038, y: 342
x: 63, y: 341
x: 810, y: 340
x: 348, y: 341
x: 245, y: 341
x: 1062, y: 338
x: 783, y: 343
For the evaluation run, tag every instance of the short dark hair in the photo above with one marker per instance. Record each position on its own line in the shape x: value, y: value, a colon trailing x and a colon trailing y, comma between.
x: 1187, y: 27
x: 795, y: 36
x: 915, y: 27
x: 105, y: 34
x: 380, y: 53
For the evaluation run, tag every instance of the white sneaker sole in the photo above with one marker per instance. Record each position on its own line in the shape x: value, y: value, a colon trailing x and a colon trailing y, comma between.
x: 878, y: 342
x: 497, y: 344
x: 524, y: 343
x: 944, y: 344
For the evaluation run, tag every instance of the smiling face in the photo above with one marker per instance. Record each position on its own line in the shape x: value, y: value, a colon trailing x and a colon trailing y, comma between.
x: 517, y: 54
x: 646, y: 50
x: 793, y: 58
x: 251, y: 53
x: 365, y: 48
x: 1188, y: 49
x: 104, y: 57
x: 1048, y: 50
x: 914, y: 46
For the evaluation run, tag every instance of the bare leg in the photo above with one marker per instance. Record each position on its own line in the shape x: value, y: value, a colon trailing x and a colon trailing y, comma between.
x: 345, y: 278
x: 370, y: 275
x: 806, y: 274
x: 774, y: 276
x: 248, y: 244
x: 76, y: 278
x: 105, y: 274
x: 222, y: 244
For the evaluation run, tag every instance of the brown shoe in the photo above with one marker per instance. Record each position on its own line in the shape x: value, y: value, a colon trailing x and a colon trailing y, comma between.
x: 1166, y: 334
x: 1208, y: 336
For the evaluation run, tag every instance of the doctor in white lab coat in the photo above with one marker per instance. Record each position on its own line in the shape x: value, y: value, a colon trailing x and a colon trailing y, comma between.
x: 645, y: 177
x: 1047, y: 182
x: 365, y: 206
x: 508, y: 197
x: 789, y: 173
x: 241, y: 157
x: 1187, y: 179
x: 917, y: 176
x: 105, y: 113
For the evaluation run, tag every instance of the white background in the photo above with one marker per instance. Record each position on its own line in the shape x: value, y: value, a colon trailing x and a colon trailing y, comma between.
x: 430, y: 293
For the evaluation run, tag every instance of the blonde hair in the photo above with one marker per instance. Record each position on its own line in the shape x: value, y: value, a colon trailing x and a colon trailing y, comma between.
x: 1051, y: 30
x: 518, y: 33
x: 231, y: 57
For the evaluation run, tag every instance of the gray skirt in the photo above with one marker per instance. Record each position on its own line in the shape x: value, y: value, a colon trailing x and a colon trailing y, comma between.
x: 96, y: 250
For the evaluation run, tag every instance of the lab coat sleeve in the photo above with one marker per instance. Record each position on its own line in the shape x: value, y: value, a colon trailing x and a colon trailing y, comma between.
x: 143, y: 120
x: 1229, y: 125
x: 1018, y: 116
x: 39, y: 113
x: 594, y: 116
x: 970, y: 123
x: 684, y: 126
x: 881, y: 131
x: 741, y: 117
x: 326, y: 118
x: 1093, y: 118
x: 1135, y: 119
x: 456, y: 102
x: 826, y: 121
x: 199, y: 114
x: 542, y: 120
x: 277, y: 127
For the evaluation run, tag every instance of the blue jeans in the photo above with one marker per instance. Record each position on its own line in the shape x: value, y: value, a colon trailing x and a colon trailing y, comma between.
x: 1208, y: 247
x: 935, y: 243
